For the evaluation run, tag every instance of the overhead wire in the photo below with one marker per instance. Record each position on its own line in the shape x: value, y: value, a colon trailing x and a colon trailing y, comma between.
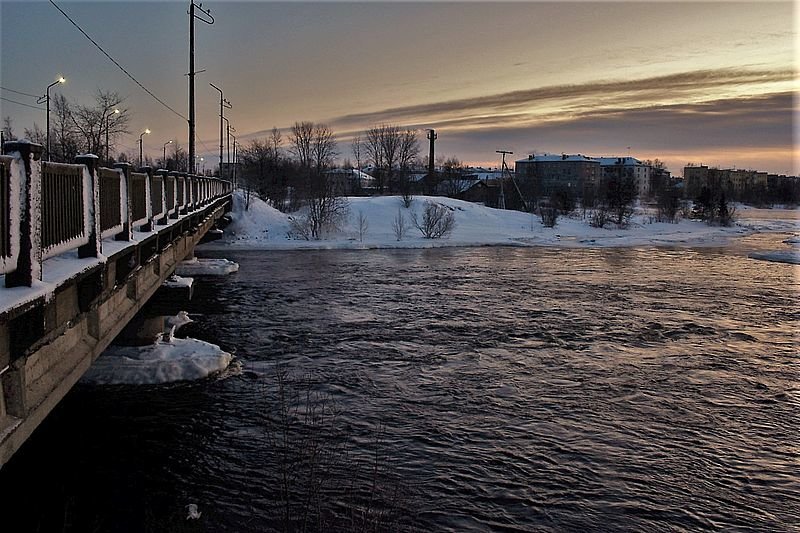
x: 21, y: 103
x: 20, y: 92
x: 137, y: 82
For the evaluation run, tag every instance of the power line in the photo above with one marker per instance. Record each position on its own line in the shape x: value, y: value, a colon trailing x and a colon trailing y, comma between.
x: 20, y: 103
x: 20, y: 92
x: 148, y: 91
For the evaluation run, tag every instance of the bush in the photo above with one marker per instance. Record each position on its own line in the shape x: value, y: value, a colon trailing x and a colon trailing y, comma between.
x: 399, y: 225
x: 599, y: 218
x: 437, y: 221
x: 549, y: 215
x: 564, y: 200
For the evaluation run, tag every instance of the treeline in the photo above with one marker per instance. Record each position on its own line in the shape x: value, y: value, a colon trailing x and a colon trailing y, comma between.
x: 79, y: 129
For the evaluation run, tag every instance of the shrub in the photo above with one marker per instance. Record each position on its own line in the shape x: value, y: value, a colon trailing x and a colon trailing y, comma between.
x: 437, y: 221
x: 549, y: 215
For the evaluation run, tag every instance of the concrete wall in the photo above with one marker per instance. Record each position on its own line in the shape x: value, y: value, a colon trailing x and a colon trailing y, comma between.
x: 75, y: 332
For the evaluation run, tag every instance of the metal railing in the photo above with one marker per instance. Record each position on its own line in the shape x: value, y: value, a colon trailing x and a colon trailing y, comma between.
x: 138, y: 193
x: 157, y: 197
x: 64, y: 216
x: 110, y: 201
x: 50, y: 208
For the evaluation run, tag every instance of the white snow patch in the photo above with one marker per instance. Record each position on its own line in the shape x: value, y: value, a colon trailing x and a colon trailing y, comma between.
x: 175, y: 281
x: 162, y: 362
x: 263, y: 227
x: 206, y: 267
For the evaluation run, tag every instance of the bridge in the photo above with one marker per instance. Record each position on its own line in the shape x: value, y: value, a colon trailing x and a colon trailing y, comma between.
x: 82, y: 249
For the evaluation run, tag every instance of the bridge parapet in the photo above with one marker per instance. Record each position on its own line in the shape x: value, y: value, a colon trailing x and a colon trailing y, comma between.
x: 47, y: 209
x: 82, y: 249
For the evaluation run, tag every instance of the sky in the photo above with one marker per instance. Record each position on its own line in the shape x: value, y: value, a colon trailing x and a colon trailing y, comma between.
x: 687, y: 82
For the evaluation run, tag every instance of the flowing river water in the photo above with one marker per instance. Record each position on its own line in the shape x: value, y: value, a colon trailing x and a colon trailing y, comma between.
x: 454, y: 389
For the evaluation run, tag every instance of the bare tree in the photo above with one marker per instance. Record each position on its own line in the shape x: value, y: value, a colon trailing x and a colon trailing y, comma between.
x: 437, y: 221
x: 36, y: 134
x: 453, y: 180
x: 8, y: 129
x: 385, y: 147
x: 323, y: 147
x: 327, y: 210
x: 301, y: 139
x: 399, y: 225
x: 96, y: 122
x: 357, y: 147
x: 362, y: 224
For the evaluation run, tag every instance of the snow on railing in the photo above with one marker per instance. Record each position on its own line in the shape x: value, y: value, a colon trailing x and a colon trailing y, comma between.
x: 49, y: 208
x: 11, y: 170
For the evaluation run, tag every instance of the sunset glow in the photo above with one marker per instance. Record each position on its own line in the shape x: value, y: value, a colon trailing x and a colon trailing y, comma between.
x: 681, y: 81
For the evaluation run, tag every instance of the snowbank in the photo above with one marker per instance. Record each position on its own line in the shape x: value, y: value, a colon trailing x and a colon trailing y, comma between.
x: 162, y: 362
x: 206, y: 267
x: 263, y: 227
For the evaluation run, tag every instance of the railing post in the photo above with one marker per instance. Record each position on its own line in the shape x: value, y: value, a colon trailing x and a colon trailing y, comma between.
x: 148, y: 226
x: 93, y: 248
x: 184, y: 209
x: 127, y: 231
x: 163, y: 220
x: 175, y: 176
x: 29, y: 260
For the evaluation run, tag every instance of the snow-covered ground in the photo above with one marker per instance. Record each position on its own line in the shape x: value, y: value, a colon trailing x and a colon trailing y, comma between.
x: 263, y: 227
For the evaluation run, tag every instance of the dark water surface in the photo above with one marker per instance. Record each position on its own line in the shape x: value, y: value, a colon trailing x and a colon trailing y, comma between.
x: 506, y: 389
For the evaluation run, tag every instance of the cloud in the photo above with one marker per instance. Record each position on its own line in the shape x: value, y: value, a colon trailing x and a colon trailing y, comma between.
x: 570, y: 99
x: 722, y: 131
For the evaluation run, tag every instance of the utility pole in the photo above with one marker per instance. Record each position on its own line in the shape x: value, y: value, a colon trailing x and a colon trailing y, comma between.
x: 208, y: 19
x: 223, y: 105
x: 504, y: 170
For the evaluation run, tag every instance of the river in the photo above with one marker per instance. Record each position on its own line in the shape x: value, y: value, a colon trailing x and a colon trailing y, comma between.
x: 460, y: 389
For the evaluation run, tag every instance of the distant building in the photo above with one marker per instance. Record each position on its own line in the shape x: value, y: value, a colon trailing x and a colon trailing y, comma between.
x: 628, y: 167
x: 547, y: 172
x: 350, y: 181
x: 737, y: 184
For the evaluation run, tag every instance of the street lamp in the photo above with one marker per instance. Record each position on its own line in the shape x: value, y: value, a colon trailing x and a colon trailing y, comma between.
x: 223, y: 105
x: 145, y: 132
x: 229, y: 129
x: 108, y: 117
x: 46, y: 98
x: 165, y: 152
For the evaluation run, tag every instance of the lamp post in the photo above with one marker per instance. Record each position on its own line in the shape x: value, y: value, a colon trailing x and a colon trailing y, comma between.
x: 108, y: 118
x: 46, y: 98
x: 203, y: 163
x: 223, y: 105
x: 233, y: 180
x: 145, y: 132
x: 229, y: 128
x: 165, y: 152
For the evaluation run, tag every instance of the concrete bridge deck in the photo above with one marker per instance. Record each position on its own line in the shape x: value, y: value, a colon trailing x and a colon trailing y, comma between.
x: 52, y: 329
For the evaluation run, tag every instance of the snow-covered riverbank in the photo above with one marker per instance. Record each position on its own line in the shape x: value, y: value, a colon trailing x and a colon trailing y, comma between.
x: 262, y: 227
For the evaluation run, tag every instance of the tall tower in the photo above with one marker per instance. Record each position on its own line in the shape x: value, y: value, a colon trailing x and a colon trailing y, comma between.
x: 431, y: 155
